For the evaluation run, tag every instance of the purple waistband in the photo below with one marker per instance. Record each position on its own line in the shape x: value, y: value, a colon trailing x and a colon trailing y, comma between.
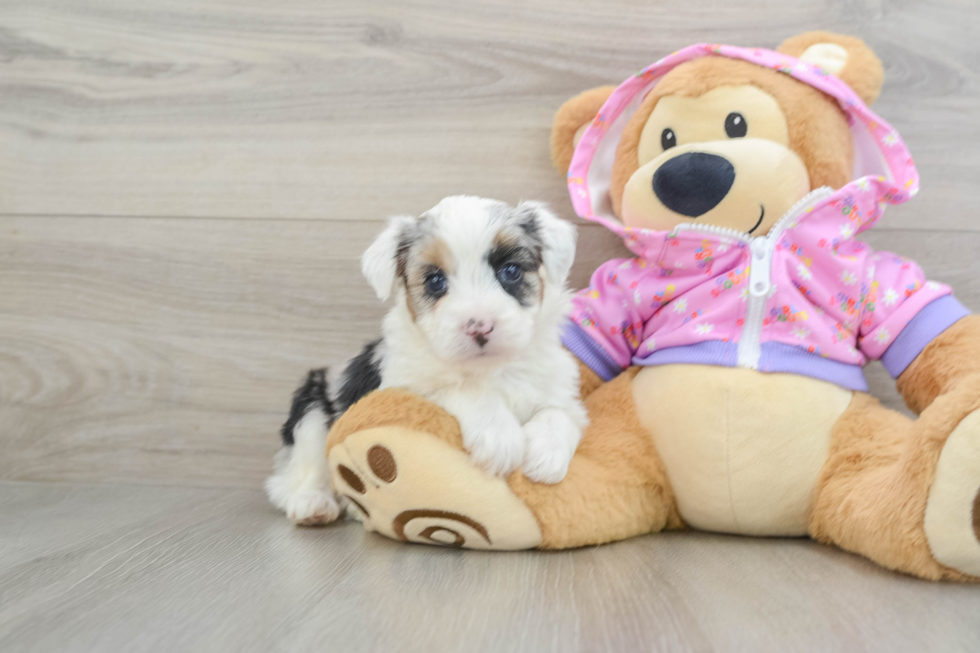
x: 931, y: 321
x: 775, y: 357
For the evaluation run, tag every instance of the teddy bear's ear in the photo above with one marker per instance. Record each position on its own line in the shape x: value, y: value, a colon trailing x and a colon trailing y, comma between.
x: 844, y: 56
x: 571, y: 121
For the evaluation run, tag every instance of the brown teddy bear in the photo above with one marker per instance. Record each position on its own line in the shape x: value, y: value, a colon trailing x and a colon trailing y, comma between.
x: 722, y: 364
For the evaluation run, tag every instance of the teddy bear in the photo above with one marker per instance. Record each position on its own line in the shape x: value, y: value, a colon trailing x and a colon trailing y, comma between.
x: 721, y: 364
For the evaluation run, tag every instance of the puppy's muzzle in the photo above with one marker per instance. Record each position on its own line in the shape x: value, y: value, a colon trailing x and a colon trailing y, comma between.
x: 479, y: 330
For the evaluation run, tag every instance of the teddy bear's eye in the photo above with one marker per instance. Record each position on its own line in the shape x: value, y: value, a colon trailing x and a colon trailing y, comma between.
x: 735, y: 125
x: 668, y: 139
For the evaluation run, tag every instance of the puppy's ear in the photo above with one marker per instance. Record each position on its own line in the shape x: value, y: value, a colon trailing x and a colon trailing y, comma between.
x: 555, y: 237
x: 379, y: 264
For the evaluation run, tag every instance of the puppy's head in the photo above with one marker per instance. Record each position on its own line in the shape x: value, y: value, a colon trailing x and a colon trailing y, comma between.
x: 474, y: 275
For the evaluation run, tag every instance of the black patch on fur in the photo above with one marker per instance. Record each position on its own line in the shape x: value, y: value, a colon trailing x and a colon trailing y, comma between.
x: 409, y: 236
x: 529, y: 225
x: 401, y: 254
x: 312, y: 394
x: 528, y: 222
x: 361, y: 376
x: 526, y: 258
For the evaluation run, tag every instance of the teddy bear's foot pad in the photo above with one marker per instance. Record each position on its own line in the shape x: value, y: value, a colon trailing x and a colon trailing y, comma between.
x: 952, y: 520
x: 411, y: 486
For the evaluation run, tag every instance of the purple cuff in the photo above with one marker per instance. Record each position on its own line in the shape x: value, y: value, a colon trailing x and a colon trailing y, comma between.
x: 937, y: 316
x: 587, y: 350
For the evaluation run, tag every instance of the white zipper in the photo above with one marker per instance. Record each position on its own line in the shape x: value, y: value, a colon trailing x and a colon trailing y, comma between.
x: 760, y: 283
x: 760, y: 269
x: 750, y: 342
x: 727, y: 232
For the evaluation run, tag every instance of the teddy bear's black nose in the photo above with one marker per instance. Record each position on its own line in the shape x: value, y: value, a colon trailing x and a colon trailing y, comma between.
x: 693, y: 183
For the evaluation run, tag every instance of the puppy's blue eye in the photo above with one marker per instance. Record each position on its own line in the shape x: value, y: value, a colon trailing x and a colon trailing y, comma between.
x: 435, y: 283
x: 510, y: 274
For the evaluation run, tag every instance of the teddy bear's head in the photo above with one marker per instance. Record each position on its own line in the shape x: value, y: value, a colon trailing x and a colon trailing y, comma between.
x: 727, y: 142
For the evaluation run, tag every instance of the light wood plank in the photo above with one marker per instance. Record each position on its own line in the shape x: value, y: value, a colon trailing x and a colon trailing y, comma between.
x: 136, y: 349
x: 165, y: 351
x: 347, y: 111
x: 149, y: 337
x: 149, y: 569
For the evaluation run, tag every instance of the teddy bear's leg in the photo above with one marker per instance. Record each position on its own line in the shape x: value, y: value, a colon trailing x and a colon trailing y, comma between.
x: 904, y: 492
x: 616, y: 486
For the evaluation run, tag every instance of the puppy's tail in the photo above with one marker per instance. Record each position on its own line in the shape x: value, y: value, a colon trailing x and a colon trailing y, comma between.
x: 312, y: 395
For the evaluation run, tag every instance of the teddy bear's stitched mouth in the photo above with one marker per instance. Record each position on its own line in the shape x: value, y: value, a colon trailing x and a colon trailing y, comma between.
x: 762, y: 214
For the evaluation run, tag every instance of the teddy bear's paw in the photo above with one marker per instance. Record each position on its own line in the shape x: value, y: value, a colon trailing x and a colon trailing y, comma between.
x: 952, y: 519
x: 312, y: 508
x: 549, y: 448
x: 411, y: 486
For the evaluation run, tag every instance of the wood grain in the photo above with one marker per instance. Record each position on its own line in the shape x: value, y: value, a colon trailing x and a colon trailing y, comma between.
x: 350, y: 111
x: 164, y: 351
x: 204, y: 570
x: 185, y: 189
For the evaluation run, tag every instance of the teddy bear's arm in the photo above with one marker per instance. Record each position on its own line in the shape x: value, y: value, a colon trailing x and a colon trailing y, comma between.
x: 588, y: 380
x: 952, y: 355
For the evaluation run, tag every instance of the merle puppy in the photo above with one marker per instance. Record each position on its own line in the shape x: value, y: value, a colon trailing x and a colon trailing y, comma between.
x: 480, y: 298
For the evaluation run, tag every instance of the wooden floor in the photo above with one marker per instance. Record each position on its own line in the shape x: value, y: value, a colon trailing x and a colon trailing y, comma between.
x: 185, y: 188
x: 91, y: 568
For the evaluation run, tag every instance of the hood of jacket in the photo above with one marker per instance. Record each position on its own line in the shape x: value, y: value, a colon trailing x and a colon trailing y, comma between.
x: 883, y: 173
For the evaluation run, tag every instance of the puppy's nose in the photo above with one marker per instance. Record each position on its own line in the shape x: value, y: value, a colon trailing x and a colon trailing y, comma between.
x: 479, y: 330
x: 693, y: 183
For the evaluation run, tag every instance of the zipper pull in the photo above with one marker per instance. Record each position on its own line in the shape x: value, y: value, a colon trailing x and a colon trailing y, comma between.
x: 759, y: 269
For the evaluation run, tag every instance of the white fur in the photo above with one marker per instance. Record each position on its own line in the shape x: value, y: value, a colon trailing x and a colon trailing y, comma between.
x: 378, y: 262
x: 516, y: 399
x: 300, y: 485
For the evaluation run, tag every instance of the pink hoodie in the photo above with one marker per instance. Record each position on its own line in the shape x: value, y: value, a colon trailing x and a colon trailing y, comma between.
x: 807, y: 298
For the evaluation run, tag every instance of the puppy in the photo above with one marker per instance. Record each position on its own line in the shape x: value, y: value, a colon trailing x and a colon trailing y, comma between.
x: 480, y: 295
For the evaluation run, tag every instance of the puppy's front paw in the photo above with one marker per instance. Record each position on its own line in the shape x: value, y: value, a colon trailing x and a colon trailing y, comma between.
x: 497, y: 444
x: 312, y: 508
x: 551, y: 442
